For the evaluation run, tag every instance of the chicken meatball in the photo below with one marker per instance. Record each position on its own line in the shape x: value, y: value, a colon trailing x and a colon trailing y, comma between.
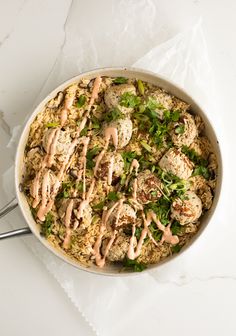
x: 119, y: 248
x: 148, y: 187
x: 188, y: 133
x: 202, y: 147
x: 164, y: 99
x: 199, y: 185
x: 126, y: 216
x: 187, y: 210
x: 124, y: 128
x: 118, y: 166
x: 176, y: 163
x: 113, y: 94
x: 51, y: 180
x: 86, y: 219
x: 62, y: 144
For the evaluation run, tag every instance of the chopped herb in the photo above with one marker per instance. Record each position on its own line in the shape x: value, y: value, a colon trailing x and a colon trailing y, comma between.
x: 79, y: 186
x: 146, y: 146
x: 156, y: 233
x: 176, y: 228
x: 52, y: 124
x: 112, y: 196
x: 113, y: 114
x: 154, y: 193
x: 134, y: 265
x: 201, y: 164
x: 81, y: 101
x: 84, y: 131
x: 141, y: 88
x: 172, y: 183
x: 128, y: 99
x: 138, y: 232
x: 46, y: 227
x: 34, y: 212
x: 176, y: 248
x: 128, y: 157
x: 98, y: 206
x: 95, y: 123
x: 175, y: 115
x: 90, y: 156
x: 180, y: 129
x: 65, y: 190
x: 120, y: 80
x: 161, y: 209
x: 204, y: 171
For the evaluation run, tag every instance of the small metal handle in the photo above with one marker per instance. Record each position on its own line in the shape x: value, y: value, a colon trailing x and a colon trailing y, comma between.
x: 5, y: 210
x: 14, y: 233
x: 8, y: 207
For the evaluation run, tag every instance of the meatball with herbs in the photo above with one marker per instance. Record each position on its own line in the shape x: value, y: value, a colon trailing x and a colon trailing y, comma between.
x: 148, y: 187
x: 113, y: 96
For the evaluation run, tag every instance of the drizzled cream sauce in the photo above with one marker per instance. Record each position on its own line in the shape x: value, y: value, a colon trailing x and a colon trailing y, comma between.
x: 69, y: 98
x: 43, y: 210
x: 110, y: 132
x: 68, y: 215
x: 110, y: 171
x: 167, y: 235
x: 45, y: 193
x: 100, y: 261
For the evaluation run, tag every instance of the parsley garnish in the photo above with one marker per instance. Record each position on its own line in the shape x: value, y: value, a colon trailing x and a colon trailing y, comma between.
x: 120, y: 80
x: 90, y: 156
x: 98, y: 206
x: 180, y: 129
x: 134, y: 265
x: 128, y: 99
x: 112, y: 196
x: 176, y: 228
x: 201, y: 164
x: 113, y: 114
x: 46, y: 227
x: 176, y: 248
x: 161, y: 209
x: 128, y: 158
x: 81, y: 101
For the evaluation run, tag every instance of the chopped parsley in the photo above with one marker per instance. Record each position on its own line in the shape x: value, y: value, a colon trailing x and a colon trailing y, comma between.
x: 84, y: 131
x: 129, y: 99
x: 128, y: 157
x: 161, y: 209
x: 201, y: 164
x: 180, y: 129
x: 98, y: 206
x: 120, y: 80
x: 176, y: 228
x: 81, y: 101
x: 134, y: 265
x: 172, y: 183
x: 46, y: 227
x: 138, y: 232
x: 156, y: 233
x: 113, y: 114
x: 112, y: 196
x: 65, y: 190
x: 176, y: 248
x: 90, y: 156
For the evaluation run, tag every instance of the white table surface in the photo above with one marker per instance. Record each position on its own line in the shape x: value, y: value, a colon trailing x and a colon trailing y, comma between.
x: 31, y: 301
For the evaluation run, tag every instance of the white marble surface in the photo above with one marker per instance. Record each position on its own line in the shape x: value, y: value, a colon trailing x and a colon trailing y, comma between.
x: 201, y: 297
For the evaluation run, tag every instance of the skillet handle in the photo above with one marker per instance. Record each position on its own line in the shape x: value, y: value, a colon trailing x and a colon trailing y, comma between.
x: 5, y: 210
x: 8, y: 207
x: 14, y: 233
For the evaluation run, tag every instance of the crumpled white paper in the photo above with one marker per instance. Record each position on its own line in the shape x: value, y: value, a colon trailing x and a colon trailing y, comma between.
x: 113, y: 304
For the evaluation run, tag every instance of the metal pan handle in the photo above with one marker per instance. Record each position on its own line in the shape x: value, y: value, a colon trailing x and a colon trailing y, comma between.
x: 5, y: 210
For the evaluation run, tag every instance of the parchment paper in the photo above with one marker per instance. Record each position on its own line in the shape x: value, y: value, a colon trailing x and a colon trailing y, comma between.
x: 108, y: 303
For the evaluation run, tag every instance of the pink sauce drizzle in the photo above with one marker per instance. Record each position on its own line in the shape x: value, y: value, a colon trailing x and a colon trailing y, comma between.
x: 100, y: 261
x: 52, y: 150
x: 45, y: 193
x: 95, y: 91
x: 84, y: 161
x: 110, y: 171
x: 67, y: 223
x: 110, y: 132
x: 167, y: 234
x: 69, y: 98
